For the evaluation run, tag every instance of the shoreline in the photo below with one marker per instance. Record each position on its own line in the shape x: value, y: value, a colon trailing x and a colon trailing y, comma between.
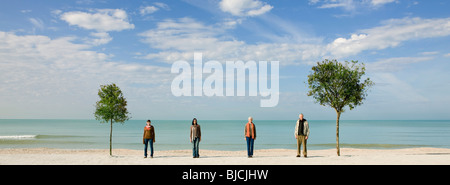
x: 349, y: 156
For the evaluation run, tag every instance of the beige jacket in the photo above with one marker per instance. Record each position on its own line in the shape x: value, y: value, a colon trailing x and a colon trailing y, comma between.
x: 195, y: 132
x: 305, y: 128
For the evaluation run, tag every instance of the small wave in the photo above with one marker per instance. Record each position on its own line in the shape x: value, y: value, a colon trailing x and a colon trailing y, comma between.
x: 56, y: 136
x: 13, y: 137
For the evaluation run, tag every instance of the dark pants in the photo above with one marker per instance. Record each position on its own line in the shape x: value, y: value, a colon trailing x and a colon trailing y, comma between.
x: 250, y: 142
x: 195, y: 142
x: 146, y: 141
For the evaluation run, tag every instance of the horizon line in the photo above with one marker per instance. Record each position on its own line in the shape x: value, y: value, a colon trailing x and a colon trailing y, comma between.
x: 232, y: 119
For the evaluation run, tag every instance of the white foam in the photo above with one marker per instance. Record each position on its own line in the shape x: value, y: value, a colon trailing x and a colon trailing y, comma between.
x: 18, y: 137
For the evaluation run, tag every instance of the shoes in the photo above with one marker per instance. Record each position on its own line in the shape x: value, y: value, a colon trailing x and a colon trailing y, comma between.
x: 297, y: 156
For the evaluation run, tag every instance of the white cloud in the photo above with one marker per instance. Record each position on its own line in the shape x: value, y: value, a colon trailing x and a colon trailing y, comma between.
x: 181, y: 34
x: 260, y: 11
x: 391, y: 34
x: 394, y: 64
x: 100, y: 38
x: 430, y: 53
x: 87, y: 2
x: 39, y: 74
x: 148, y: 10
x: 162, y: 5
x: 178, y: 39
x: 25, y: 11
x: 145, y: 10
x: 101, y: 20
x: 345, y: 4
x: 350, y: 5
x: 37, y: 23
x: 231, y: 23
x: 244, y: 7
x: 312, y: 2
x: 381, y: 2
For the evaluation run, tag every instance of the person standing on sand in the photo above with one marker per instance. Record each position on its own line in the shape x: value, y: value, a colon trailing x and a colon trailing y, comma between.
x: 301, y: 134
x: 250, y: 136
x: 195, y: 137
x: 149, y: 136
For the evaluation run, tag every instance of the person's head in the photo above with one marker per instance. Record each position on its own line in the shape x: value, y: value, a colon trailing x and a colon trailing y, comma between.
x: 250, y: 119
x: 300, y: 116
x: 149, y: 122
x: 194, y: 121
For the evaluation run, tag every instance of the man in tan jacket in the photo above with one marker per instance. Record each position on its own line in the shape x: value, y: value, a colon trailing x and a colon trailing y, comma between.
x: 301, y: 134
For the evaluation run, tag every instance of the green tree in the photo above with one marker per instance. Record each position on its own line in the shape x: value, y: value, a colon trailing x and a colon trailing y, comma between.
x: 337, y: 85
x: 112, y: 107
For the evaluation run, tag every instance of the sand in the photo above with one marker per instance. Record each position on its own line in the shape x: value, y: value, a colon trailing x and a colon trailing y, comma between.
x: 349, y: 156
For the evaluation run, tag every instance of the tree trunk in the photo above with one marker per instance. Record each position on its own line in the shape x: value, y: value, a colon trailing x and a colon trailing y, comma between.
x: 337, y: 133
x: 110, y: 139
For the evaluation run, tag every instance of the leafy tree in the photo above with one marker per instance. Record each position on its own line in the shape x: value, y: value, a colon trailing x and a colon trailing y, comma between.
x: 337, y: 85
x: 112, y: 107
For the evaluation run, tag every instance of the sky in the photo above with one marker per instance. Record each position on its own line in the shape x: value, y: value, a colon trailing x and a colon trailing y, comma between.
x: 54, y: 55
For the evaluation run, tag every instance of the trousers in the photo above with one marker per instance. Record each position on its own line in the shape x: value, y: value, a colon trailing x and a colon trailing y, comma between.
x: 195, y: 143
x: 250, y: 142
x: 146, y: 142
x: 301, y: 140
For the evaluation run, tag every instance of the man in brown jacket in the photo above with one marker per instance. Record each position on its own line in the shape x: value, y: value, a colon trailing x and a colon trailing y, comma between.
x: 149, y: 136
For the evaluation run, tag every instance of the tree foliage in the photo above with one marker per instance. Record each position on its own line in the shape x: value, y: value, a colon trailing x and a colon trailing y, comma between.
x: 112, y: 107
x: 337, y: 85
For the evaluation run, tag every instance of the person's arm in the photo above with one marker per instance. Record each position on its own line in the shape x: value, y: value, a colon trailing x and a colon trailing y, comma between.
x: 296, y: 130
x: 199, y: 134
x: 254, y: 131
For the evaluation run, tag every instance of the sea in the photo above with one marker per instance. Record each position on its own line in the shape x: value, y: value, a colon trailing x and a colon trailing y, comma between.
x: 223, y: 134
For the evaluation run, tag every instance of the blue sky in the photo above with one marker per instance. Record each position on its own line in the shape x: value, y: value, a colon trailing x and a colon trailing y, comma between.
x: 54, y: 55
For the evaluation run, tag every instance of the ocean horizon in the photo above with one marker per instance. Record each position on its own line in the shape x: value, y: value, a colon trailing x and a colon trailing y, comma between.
x: 223, y: 134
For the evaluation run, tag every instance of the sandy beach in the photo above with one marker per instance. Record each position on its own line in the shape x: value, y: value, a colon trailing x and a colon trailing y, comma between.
x: 349, y: 156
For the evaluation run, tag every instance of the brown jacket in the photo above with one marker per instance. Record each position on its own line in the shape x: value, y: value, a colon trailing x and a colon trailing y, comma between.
x: 250, y: 130
x: 149, y: 133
